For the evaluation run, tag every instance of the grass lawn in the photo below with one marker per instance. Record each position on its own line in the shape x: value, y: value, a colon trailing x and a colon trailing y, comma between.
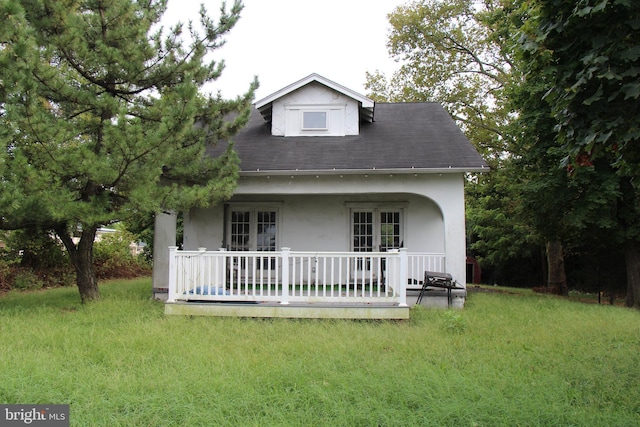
x: 505, y: 360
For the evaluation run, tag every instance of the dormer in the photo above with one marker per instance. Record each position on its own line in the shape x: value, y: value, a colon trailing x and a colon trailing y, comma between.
x: 315, y: 106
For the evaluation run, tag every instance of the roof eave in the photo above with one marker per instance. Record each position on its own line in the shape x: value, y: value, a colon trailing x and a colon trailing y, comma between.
x: 366, y: 102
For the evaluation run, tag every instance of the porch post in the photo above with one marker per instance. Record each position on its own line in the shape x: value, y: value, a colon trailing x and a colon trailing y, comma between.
x: 285, y: 276
x: 202, y: 272
x: 172, y: 274
x: 164, y: 236
x: 221, y: 269
x: 404, y: 276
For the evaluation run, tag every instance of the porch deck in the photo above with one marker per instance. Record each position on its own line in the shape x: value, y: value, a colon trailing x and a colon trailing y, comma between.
x: 352, y: 285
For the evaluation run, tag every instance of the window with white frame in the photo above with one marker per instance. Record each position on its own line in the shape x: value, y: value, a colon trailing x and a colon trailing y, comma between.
x: 315, y: 120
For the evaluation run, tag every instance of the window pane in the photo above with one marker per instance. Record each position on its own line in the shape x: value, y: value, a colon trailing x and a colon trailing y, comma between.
x: 239, y: 231
x: 362, y: 231
x: 314, y: 120
x: 266, y: 230
x: 389, y: 230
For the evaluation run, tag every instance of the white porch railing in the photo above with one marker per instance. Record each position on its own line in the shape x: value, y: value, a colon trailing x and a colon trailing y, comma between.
x: 292, y: 276
x: 418, y: 263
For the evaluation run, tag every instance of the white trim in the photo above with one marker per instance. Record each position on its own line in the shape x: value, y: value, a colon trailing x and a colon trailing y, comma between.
x: 383, y: 205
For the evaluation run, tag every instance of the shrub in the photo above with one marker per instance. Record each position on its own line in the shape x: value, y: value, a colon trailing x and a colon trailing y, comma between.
x: 454, y: 321
x: 26, y: 280
x: 5, y: 275
x: 36, y: 259
x: 33, y: 259
x: 35, y: 249
x: 113, y: 258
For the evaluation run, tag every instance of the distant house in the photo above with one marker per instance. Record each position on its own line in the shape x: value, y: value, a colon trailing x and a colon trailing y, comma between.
x: 325, y: 169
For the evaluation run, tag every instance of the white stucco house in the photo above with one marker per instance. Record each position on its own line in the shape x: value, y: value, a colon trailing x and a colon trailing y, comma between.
x: 334, y: 190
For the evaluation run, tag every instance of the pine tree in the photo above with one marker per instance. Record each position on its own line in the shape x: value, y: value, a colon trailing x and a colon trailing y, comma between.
x: 103, y: 117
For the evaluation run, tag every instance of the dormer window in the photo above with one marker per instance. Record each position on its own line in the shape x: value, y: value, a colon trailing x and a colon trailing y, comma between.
x: 314, y: 120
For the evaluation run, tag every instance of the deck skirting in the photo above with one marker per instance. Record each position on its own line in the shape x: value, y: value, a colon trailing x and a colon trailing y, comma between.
x: 435, y: 298
x: 307, y: 311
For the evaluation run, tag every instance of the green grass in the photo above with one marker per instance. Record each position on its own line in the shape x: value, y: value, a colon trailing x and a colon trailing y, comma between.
x: 505, y: 360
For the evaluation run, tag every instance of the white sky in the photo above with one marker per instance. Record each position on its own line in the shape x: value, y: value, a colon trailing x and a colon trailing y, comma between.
x: 282, y: 41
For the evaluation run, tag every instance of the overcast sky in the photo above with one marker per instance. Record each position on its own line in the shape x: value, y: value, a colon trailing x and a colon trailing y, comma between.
x: 282, y: 41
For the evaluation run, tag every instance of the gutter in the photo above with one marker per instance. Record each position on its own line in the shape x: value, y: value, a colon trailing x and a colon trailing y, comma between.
x: 372, y: 171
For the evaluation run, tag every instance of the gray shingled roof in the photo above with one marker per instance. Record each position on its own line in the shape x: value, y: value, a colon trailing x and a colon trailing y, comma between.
x: 403, y: 136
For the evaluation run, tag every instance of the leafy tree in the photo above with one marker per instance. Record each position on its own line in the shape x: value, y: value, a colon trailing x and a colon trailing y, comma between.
x: 103, y: 117
x: 569, y: 209
x: 452, y: 52
x: 447, y: 55
x: 557, y: 206
x: 592, y: 52
x: 467, y: 56
x: 507, y: 248
x: 589, y: 54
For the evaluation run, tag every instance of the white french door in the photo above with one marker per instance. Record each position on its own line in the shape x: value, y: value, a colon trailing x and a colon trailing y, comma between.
x: 374, y: 230
x: 253, y: 229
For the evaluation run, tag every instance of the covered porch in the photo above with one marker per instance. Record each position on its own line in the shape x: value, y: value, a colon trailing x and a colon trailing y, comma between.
x: 302, y: 284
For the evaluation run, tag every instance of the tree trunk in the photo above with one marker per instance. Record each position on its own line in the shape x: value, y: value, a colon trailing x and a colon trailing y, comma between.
x: 557, y: 278
x: 85, y: 275
x: 632, y: 260
x: 81, y: 255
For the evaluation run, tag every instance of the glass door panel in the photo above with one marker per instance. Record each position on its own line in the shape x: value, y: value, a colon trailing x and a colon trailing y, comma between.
x: 362, y: 240
x: 240, y: 230
x: 266, y: 228
x: 389, y: 231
